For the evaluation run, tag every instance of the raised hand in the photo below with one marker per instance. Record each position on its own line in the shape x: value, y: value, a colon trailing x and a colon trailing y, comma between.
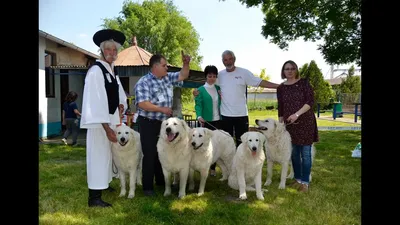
x: 185, y: 58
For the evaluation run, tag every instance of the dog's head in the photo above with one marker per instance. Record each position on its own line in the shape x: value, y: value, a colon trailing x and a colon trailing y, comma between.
x: 269, y: 126
x: 199, y: 137
x: 253, y: 141
x: 174, y: 129
x: 124, y: 134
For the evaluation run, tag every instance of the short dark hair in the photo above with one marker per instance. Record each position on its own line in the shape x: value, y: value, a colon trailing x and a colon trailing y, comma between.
x: 210, y: 69
x: 156, y: 59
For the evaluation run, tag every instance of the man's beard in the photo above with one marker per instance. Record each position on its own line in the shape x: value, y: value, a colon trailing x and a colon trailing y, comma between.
x: 113, y: 57
x: 229, y: 67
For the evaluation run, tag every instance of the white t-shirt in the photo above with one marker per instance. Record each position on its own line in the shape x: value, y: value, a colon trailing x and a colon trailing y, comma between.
x: 212, y: 91
x: 233, y: 90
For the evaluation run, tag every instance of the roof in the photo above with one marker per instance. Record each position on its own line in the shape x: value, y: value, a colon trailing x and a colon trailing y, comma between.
x: 67, y: 44
x: 334, y: 81
x: 133, y: 56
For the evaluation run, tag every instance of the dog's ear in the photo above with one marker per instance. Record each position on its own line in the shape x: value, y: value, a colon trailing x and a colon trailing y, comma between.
x: 243, y: 138
x: 263, y: 140
x: 208, y: 133
x: 185, y: 126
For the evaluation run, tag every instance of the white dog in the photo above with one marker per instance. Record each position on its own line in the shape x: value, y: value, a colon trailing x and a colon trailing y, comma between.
x: 127, y: 156
x: 247, y: 165
x: 209, y: 147
x: 174, y: 152
x: 279, y: 149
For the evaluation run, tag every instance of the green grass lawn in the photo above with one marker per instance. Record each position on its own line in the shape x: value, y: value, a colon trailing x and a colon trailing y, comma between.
x: 334, y: 196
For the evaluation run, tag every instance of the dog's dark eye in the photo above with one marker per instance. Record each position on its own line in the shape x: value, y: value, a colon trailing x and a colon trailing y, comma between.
x: 266, y: 121
x: 166, y: 124
x: 200, y: 135
x: 175, y: 124
x: 256, y: 139
x: 126, y: 132
x: 250, y: 140
x: 119, y: 132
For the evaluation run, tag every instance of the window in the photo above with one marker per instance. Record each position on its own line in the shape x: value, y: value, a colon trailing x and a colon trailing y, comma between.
x: 49, y: 73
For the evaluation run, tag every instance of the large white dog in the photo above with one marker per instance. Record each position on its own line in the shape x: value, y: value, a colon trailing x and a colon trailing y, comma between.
x: 247, y: 165
x: 209, y: 147
x: 278, y: 149
x: 174, y: 152
x: 127, y: 156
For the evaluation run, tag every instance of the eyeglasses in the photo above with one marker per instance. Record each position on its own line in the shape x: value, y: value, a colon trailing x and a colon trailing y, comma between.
x: 292, y: 69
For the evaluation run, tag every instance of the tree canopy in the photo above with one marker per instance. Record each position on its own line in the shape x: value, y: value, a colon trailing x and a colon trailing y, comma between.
x: 160, y: 28
x: 336, y: 22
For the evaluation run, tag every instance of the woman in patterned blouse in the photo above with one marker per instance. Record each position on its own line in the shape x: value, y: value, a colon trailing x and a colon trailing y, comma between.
x: 295, y: 101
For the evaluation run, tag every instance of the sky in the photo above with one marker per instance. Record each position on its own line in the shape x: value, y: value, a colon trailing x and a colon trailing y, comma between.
x: 221, y: 25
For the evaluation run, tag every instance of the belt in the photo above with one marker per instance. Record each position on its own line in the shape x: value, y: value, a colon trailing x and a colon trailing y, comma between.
x: 150, y: 120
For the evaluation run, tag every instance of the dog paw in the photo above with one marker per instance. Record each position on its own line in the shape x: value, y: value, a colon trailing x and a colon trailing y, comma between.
x: 181, y: 195
x: 167, y: 192
x: 290, y: 176
x: 267, y: 183
x: 122, y: 194
x: 282, y: 186
x: 243, y: 196
x: 200, y: 193
x: 223, y: 178
x: 131, y: 195
x: 260, y: 197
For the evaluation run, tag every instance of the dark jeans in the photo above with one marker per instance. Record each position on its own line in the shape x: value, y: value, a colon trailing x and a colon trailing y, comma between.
x: 235, y: 126
x: 149, y: 131
x: 217, y: 124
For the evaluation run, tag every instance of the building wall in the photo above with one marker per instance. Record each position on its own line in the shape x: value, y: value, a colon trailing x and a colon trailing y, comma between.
x: 66, y: 55
x: 264, y: 95
x: 50, y: 108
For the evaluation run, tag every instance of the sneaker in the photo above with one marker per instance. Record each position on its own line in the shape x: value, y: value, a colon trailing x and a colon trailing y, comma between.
x: 65, y: 141
x: 303, y: 188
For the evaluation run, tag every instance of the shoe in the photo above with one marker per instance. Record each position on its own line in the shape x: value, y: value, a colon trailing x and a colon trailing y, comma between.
x: 65, y: 141
x: 294, y: 184
x: 303, y: 188
x: 213, y: 173
x: 149, y: 193
x: 95, y: 200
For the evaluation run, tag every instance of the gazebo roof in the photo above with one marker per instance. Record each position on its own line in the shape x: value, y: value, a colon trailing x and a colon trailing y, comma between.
x: 133, y: 56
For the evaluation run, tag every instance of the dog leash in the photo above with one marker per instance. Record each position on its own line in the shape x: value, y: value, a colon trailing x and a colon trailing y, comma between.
x: 113, y: 163
x: 217, y: 129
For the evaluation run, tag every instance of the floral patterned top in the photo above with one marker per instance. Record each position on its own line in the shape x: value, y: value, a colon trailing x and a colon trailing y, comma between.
x: 291, y: 98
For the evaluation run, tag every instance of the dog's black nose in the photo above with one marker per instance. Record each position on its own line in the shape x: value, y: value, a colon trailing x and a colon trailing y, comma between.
x: 254, y: 148
x: 193, y: 144
x: 123, y: 139
x: 168, y: 129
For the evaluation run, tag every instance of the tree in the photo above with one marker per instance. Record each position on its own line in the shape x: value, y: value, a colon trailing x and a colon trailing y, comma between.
x: 336, y: 22
x: 160, y: 28
x: 350, y: 88
x: 322, y: 89
x: 263, y: 76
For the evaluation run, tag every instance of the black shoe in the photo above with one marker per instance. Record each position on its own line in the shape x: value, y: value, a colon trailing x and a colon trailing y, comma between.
x: 110, y: 189
x: 149, y: 193
x: 98, y: 202
x: 95, y: 199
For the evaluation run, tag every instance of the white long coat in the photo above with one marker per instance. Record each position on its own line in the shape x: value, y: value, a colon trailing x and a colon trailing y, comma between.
x: 94, y: 113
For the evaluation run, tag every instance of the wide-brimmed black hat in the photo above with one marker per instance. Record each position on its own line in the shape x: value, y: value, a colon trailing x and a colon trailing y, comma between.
x: 107, y: 34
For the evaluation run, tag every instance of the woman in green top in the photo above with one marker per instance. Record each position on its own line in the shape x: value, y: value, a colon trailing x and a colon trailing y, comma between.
x: 207, y: 104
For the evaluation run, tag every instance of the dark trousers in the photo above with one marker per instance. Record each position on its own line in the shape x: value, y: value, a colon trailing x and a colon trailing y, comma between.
x: 235, y: 126
x: 149, y: 131
x: 216, y: 124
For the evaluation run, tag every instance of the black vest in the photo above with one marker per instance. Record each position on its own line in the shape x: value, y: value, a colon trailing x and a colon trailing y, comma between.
x: 111, y: 88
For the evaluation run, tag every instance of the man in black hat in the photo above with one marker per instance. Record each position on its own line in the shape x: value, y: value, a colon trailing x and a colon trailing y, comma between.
x: 104, y: 100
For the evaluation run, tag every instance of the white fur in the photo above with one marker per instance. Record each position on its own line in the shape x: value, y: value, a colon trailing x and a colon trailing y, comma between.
x: 247, y: 165
x: 278, y: 149
x: 209, y: 147
x: 127, y: 156
x: 174, y: 155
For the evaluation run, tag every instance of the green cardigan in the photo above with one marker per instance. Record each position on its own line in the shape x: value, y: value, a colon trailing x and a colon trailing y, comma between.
x: 204, y: 104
